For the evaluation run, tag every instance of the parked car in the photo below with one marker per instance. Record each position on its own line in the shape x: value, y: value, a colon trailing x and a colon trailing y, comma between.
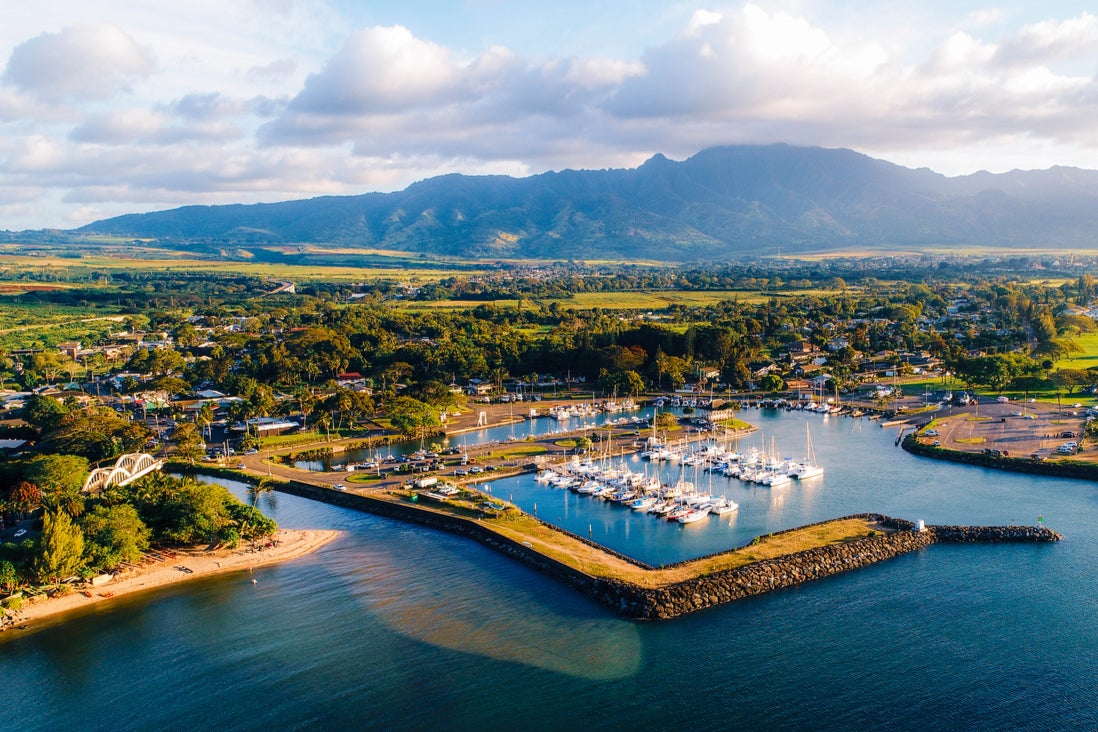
x: 340, y: 487
x: 21, y: 532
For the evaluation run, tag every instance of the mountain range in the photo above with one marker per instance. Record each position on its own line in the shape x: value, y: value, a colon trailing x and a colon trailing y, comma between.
x: 722, y: 203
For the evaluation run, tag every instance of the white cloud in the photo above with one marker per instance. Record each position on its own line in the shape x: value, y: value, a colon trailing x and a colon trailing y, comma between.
x: 1051, y: 40
x: 86, y: 61
x: 231, y: 108
x: 381, y: 70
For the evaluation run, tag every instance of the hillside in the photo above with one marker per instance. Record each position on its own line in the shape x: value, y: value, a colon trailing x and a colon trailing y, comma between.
x: 721, y: 203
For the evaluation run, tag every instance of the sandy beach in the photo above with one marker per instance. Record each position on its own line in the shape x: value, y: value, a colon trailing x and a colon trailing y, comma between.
x: 186, y: 564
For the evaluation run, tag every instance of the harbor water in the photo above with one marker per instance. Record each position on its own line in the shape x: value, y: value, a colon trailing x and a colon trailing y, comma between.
x: 396, y: 626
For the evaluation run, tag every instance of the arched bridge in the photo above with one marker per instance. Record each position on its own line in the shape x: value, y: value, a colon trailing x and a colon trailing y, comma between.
x: 126, y: 469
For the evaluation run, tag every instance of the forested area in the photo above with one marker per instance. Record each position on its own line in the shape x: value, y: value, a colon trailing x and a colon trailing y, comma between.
x: 289, y: 355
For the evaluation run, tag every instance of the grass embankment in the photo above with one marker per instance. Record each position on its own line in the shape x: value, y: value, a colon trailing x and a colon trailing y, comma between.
x: 514, y: 452
x: 592, y: 560
x: 736, y: 424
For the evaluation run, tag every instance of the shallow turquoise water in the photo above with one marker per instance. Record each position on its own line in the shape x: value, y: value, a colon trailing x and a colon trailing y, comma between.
x: 396, y: 626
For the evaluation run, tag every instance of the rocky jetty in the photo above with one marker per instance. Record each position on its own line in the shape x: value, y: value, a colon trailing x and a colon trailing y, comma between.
x: 897, y: 537
x: 992, y: 534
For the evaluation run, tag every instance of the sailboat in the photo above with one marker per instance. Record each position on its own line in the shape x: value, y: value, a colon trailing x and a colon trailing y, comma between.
x: 808, y: 468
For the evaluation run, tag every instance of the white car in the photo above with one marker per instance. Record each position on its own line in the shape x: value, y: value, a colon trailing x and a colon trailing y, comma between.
x: 21, y: 532
x: 340, y: 487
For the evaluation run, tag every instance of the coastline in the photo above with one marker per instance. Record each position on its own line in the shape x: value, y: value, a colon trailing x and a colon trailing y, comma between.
x: 288, y: 544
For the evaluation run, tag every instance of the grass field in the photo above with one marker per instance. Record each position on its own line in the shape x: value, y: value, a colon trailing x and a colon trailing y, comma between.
x: 1087, y: 358
x: 593, y: 560
x: 647, y: 300
x: 66, y: 268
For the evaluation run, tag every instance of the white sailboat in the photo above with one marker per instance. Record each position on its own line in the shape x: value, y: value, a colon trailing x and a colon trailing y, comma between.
x: 808, y: 468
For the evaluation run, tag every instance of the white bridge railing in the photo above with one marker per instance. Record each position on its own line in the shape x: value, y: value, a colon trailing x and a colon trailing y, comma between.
x: 126, y: 469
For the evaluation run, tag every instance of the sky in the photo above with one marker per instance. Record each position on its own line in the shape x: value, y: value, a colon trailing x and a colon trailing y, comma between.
x: 114, y: 106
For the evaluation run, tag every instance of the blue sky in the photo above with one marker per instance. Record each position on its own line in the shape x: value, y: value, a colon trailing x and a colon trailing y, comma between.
x: 113, y: 107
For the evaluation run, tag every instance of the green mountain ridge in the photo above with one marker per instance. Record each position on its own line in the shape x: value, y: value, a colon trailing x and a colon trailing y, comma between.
x: 721, y: 203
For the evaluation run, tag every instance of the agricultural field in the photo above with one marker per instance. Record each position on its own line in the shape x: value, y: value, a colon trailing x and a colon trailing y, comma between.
x: 646, y: 300
x: 62, y: 269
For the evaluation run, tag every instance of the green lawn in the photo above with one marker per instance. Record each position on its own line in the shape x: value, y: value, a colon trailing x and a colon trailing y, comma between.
x: 1087, y: 358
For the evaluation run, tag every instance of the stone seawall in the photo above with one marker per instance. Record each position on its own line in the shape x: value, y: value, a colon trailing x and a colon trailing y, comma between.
x: 760, y: 577
x: 1058, y: 468
x: 707, y: 591
x: 607, y: 592
x: 992, y: 534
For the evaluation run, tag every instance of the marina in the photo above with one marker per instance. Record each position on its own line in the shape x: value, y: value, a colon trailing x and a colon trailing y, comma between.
x: 392, y: 614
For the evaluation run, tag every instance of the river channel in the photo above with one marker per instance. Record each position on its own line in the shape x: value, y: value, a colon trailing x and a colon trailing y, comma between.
x: 397, y: 626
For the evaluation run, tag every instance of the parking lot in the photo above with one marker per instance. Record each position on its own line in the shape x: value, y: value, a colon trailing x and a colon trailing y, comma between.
x: 1011, y: 429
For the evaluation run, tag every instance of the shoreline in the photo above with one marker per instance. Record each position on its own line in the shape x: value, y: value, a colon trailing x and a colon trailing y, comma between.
x: 287, y: 544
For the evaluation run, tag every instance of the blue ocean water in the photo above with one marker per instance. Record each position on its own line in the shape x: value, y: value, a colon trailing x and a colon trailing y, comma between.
x: 396, y: 626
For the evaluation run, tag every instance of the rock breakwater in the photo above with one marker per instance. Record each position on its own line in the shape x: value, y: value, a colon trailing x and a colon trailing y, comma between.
x: 895, y: 537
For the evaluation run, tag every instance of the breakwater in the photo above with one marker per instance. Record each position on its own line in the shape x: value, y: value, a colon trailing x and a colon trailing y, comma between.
x: 895, y: 538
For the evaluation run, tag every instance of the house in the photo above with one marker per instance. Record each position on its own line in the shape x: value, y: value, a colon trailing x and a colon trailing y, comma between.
x: 69, y: 348
x: 266, y: 426
x: 761, y: 369
x: 350, y: 379
x: 480, y: 388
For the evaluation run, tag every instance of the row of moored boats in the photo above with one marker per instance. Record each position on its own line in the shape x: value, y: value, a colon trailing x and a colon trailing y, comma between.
x: 680, y: 502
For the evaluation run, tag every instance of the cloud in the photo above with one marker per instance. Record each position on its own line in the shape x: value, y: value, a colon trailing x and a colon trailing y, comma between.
x: 81, y: 62
x: 1050, y: 41
x: 152, y: 127
x: 750, y: 63
x: 88, y: 114
x: 277, y: 70
x: 386, y: 90
x: 381, y: 70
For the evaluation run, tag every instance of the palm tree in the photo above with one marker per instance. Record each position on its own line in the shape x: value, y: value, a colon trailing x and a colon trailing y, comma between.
x: 264, y: 486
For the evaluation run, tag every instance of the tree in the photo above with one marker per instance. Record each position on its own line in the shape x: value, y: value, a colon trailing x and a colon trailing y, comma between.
x: 673, y: 367
x: 412, y: 417
x: 248, y: 522
x: 43, y: 412
x: 263, y: 487
x: 188, y: 442
x: 46, y: 363
x: 625, y: 383
x: 96, y: 433
x: 9, y: 578
x: 60, y: 548
x: 772, y: 383
x: 56, y: 473
x: 114, y: 534
x: 205, y: 418
x: 666, y: 421
x: 24, y: 497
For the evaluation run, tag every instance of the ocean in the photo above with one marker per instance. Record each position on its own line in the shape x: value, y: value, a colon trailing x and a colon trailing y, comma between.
x: 395, y: 626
